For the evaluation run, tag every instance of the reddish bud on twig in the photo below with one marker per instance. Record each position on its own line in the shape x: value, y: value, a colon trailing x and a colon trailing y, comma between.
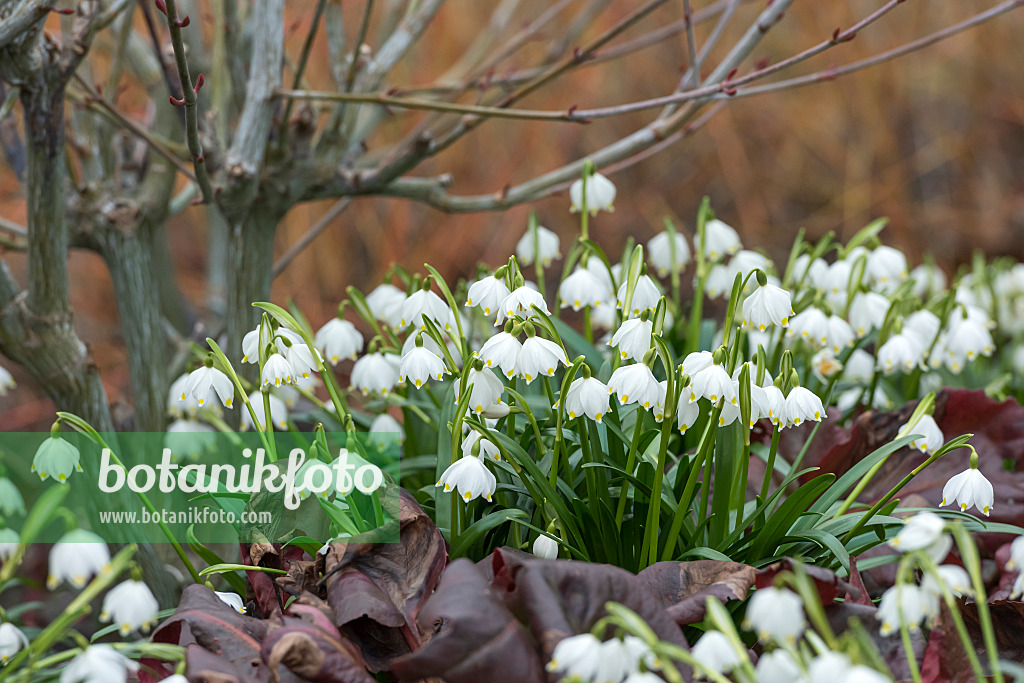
x: 62, y: 11
x: 392, y: 91
x: 162, y: 6
x: 182, y: 23
x: 835, y: 34
x: 762, y: 63
x: 577, y: 54
x: 732, y: 73
x: 572, y: 109
x: 176, y: 102
x: 201, y: 158
x: 829, y: 74
x: 199, y: 83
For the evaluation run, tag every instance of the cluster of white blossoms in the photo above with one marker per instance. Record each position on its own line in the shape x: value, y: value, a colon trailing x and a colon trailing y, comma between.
x: 587, y: 659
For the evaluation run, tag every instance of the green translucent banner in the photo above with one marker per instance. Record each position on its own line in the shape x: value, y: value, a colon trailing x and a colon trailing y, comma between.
x: 201, y: 487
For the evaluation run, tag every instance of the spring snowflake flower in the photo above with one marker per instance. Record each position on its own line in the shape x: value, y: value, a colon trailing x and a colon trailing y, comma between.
x: 867, y: 311
x: 303, y: 360
x: 776, y: 401
x: 924, y: 326
x: 838, y: 334
x: 278, y: 412
x: 633, y: 338
x: 538, y: 357
x: 232, y: 600
x: 251, y: 346
x: 719, y: 281
x: 646, y: 295
x: 420, y: 365
x: 583, y: 288
x: 6, y: 381
x: 98, y: 664
x: 587, y: 396
x: 966, y: 341
x: 470, y: 477
x: 375, y: 373
x: 206, y: 384
x: 924, y: 531
x: 900, y: 352
x: 953, y: 577
x: 860, y: 366
x: 12, y: 640
x: 485, y: 392
x: 131, y: 606
x: 635, y: 384
x: 886, y: 268
x: 837, y: 281
x: 382, y: 427
x: 546, y: 548
x: 277, y: 371
x: 715, y: 653
x: 385, y: 303
x: 686, y: 412
x: 11, y: 502
x: 520, y: 302
x: 9, y: 541
x: 812, y: 272
x: 487, y: 294
x: 777, y: 666
x: 768, y: 305
x: 828, y: 667
x: 56, y: 458
x: 423, y: 304
x: 776, y: 614
x: 906, y: 603
x: 177, y: 406
x: 659, y: 251
x: 697, y: 361
x: 714, y: 384
x: 488, y: 449
x: 502, y: 351
x: 803, y: 404
x: 578, y: 657
x: 825, y: 364
x: 78, y: 555
x: 927, y: 427
x: 929, y: 280
x: 339, y: 339
x: 720, y: 240
x: 811, y: 325
x: 547, y: 246
x: 969, y: 488
x: 599, y: 191
x: 746, y: 262
x: 1016, y: 563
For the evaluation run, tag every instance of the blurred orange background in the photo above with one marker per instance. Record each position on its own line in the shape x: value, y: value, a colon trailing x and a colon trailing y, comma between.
x: 934, y: 141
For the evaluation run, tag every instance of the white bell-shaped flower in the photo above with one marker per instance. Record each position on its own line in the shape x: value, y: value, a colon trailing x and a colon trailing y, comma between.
x: 232, y: 600
x: 776, y: 406
x: 420, y: 365
x: 969, y: 488
x: 520, y: 302
x: 635, y: 384
x: 487, y: 294
x: 838, y: 334
x: 56, y: 458
x: 545, y: 547
x: 645, y: 295
x: 177, y: 406
x: 422, y: 304
x: 697, y: 361
x: 967, y: 340
x: 860, y: 366
x: 278, y: 412
x: 714, y: 384
x: 929, y: 280
x: 470, y: 477
x: 251, y: 346
x: 730, y: 413
x: 12, y: 640
x: 714, y: 652
x: 385, y: 303
x: 547, y: 247
x: 597, y: 193
x: 828, y: 667
x: 836, y: 283
x: 659, y: 252
x: 578, y: 657
x: 78, y: 555
x: 812, y: 273
x: 905, y: 603
x: 487, y: 450
x: 867, y: 311
x: 11, y: 502
x: 923, y: 531
x: 953, y: 577
x: 538, y: 357
x: 924, y: 326
x: 587, y: 396
x: 339, y: 339
x: 131, y: 606
x: 633, y: 339
x: 501, y: 351
x: 719, y: 281
x: 381, y: 430
x: 776, y: 614
x: 811, y: 325
x: 778, y: 666
x: 900, y: 352
x: 803, y: 404
x: 825, y: 364
x: 932, y: 436
x: 206, y: 384
x: 720, y: 240
x: 375, y: 373
x: 6, y: 381
x: 768, y: 305
x: 1016, y: 563
x: 98, y: 664
x: 277, y: 371
x: 486, y: 390
x: 886, y: 268
x: 686, y: 412
x: 583, y: 288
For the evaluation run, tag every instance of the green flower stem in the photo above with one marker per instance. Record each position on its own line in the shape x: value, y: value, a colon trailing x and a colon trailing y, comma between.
x: 707, y: 442
x: 773, y: 451
x: 697, y: 311
x: 268, y: 426
x: 334, y: 391
x: 969, y: 555
x: 567, y: 379
x: 954, y: 611
x: 904, y: 577
x: 77, y: 423
x: 588, y: 328
x: 525, y: 407
x: 638, y: 428
x: 230, y: 372
x: 812, y: 603
x: 709, y: 456
x: 510, y: 421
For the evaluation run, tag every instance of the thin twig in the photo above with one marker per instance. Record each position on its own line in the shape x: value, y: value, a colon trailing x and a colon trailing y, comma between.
x: 189, y: 99
x: 300, y: 68
x: 314, y: 231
